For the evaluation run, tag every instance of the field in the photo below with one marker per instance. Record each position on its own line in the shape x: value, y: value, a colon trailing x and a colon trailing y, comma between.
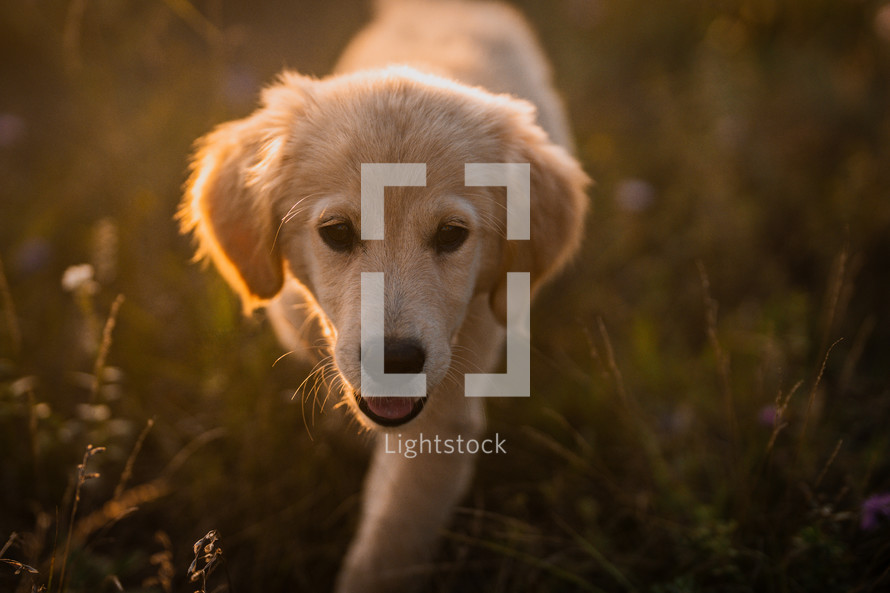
x: 710, y: 405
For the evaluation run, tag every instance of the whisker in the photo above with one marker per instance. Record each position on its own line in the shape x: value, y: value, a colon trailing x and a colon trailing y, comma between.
x: 282, y: 357
x: 317, y: 377
x: 471, y: 365
x: 291, y: 214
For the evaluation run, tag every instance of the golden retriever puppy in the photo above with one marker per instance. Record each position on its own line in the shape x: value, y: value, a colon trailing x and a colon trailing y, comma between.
x: 275, y: 201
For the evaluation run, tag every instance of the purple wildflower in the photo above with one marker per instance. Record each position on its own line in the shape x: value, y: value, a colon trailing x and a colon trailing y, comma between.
x: 768, y: 415
x: 873, y: 508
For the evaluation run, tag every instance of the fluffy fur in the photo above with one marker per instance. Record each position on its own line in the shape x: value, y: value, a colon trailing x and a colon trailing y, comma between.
x: 426, y: 82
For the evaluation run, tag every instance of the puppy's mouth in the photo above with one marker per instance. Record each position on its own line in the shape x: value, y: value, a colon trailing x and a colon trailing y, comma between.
x: 390, y: 411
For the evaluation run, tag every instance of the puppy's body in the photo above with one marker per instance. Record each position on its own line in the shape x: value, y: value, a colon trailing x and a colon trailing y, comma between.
x: 274, y: 201
x: 485, y: 44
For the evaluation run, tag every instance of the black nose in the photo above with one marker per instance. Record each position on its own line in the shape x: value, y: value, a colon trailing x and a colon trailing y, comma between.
x: 403, y: 356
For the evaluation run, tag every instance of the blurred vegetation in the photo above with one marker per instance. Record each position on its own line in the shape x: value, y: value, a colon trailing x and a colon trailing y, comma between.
x: 711, y: 400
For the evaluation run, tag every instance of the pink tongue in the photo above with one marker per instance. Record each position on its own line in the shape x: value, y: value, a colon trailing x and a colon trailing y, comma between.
x: 391, y: 408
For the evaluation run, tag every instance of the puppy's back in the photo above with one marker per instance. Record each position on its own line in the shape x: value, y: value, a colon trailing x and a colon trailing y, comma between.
x: 484, y: 44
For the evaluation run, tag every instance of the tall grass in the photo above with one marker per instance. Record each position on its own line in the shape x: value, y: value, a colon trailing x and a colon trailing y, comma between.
x: 710, y: 388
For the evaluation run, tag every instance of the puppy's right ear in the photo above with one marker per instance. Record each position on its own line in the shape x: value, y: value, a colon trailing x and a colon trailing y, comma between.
x: 228, y: 209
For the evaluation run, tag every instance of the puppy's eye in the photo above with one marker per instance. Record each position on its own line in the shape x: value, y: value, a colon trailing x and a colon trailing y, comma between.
x: 338, y: 236
x: 450, y: 237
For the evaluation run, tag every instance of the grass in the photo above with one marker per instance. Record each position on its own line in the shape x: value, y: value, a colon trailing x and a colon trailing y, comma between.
x: 710, y: 390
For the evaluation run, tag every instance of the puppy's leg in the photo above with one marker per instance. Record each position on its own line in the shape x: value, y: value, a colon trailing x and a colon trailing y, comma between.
x: 407, y: 501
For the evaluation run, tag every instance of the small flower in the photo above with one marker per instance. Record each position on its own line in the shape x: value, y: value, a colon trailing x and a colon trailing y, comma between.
x: 873, y: 508
x: 79, y: 278
x: 768, y: 415
x: 635, y: 195
x: 12, y: 129
x: 93, y: 412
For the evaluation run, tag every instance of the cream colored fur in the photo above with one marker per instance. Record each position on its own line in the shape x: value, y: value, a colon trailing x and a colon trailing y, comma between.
x: 443, y: 83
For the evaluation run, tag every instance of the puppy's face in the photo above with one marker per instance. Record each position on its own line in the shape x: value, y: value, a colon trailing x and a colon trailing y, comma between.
x: 283, y: 189
x: 441, y: 244
x: 434, y: 248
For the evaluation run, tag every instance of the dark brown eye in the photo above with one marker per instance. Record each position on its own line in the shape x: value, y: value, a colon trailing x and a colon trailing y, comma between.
x: 450, y: 237
x: 338, y: 236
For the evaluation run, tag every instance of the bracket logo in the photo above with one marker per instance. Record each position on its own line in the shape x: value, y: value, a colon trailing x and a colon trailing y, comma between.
x: 515, y: 381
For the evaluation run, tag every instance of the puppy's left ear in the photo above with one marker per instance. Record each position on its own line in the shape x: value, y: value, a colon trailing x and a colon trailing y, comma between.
x: 229, y: 201
x: 558, y: 203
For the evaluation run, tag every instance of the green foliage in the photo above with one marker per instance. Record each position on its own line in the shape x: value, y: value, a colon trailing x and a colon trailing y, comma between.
x: 710, y: 397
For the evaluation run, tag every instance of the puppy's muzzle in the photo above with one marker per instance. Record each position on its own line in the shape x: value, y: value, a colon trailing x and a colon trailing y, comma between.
x: 399, y: 356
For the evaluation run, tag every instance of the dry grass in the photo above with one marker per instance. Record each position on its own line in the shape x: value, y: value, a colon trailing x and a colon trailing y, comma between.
x: 740, y: 154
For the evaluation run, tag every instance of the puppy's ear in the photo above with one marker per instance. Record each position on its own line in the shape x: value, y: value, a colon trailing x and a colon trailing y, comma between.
x: 228, y: 203
x: 558, y: 205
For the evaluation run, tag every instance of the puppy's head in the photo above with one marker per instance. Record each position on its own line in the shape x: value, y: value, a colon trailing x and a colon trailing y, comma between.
x: 279, y: 193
